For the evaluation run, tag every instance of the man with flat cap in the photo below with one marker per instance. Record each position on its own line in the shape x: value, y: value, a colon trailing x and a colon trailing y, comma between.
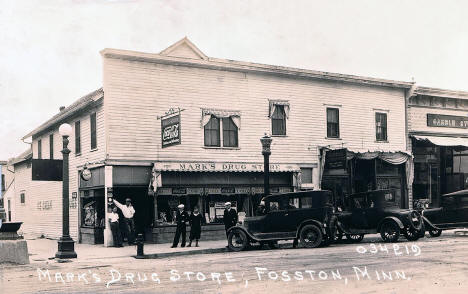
x: 128, y: 212
x: 230, y: 217
x: 181, y: 219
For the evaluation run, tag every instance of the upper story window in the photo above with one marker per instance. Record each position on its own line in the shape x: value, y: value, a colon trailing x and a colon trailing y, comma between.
x: 77, y: 137
x: 221, y: 128
x: 22, y: 198
x: 3, y: 182
x: 279, y: 113
x: 51, y: 146
x: 212, y: 137
x: 380, y: 126
x: 333, y: 123
x: 92, y: 119
x: 39, y: 149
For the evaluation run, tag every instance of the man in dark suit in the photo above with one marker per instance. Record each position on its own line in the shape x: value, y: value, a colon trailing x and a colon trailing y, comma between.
x: 181, y: 218
x: 230, y: 217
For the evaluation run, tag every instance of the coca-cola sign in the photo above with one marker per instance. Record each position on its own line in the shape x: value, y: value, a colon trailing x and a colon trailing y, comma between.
x: 170, y: 131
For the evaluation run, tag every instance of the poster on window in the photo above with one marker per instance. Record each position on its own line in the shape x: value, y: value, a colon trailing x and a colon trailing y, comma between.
x: 170, y: 131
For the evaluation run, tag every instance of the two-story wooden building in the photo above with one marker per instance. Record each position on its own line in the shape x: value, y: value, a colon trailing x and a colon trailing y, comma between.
x: 182, y: 127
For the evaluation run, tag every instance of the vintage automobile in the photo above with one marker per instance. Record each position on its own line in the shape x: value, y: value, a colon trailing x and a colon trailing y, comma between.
x: 377, y: 212
x: 452, y: 213
x: 307, y: 216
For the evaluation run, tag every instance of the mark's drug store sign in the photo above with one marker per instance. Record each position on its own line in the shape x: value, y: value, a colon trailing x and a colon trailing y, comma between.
x: 447, y: 121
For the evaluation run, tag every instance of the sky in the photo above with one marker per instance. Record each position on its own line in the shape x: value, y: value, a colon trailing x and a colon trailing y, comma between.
x: 49, y: 50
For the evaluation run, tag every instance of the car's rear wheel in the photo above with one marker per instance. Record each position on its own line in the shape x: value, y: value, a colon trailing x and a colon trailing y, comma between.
x: 355, y: 238
x: 390, y: 231
x: 435, y: 232
x: 237, y: 240
x: 411, y: 234
x: 311, y: 236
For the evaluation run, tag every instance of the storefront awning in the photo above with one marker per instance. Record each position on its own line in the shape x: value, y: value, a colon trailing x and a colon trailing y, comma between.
x: 223, y: 167
x: 443, y: 141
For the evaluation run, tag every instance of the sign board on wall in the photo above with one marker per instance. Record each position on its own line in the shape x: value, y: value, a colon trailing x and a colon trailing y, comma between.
x: 47, y: 169
x: 224, y: 166
x: 447, y: 121
x: 170, y: 131
x: 335, y: 159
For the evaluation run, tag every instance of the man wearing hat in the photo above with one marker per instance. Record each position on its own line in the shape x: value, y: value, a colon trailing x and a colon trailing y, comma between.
x: 128, y: 211
x: 230, y: 217
x: 181, y: 218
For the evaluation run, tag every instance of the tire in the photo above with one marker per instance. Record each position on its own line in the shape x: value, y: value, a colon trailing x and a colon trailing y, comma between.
x: 237, y: 240
x: 411, y: 234
x: 422, y: 232
x: 419, y: 224
x: 355, y: 238
x: 310, y: 236
x: 435, y: 232
x: 390, y: 231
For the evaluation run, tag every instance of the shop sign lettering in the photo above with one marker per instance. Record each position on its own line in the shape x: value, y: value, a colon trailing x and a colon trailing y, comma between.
x: 170, y: 131
x: 447, y: 121
x: 44, y: 205
x: 224, y: 167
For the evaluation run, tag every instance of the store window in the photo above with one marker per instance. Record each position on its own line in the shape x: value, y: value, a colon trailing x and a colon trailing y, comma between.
x: 212, y: 137
x: 333, y: 123
x: 306, y: 175
x: 92, y: 208
x: 77, y: 137
x: 278, y: 121
x: 51, y: 146
x: 92, y: 119
x: 381, y: 126
x: 39, y: 149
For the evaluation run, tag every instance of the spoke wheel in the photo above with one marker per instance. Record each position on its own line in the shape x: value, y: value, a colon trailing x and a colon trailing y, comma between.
x: 237, y: 240
x: 310, y: 236
x: 390, y: 231
x: 355, y: 238
x: 411, y: 234
x: 435, y: 233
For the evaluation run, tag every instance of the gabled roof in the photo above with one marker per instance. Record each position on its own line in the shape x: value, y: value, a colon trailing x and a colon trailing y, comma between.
x: 22, y: 157
x: 178, y: 54
x: 184, y: 48
x: 68, y: 111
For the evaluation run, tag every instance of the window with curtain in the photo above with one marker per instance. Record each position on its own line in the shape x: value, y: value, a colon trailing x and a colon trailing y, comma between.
x: 93, y: 131
x: 381, y: 126
x: 51, y: 146
x: 212, y: 136
x: 39, y: 149
x: 229, y: 133
x: 278, y: 121
x: 77, y: 137
x: 333, y: 123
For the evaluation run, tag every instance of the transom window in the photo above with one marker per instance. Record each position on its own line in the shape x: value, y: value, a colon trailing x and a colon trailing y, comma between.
x: 381, y: 126
x: 333, y: 123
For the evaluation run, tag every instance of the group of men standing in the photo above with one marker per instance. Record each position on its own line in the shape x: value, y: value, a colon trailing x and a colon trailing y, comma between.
x: 195, y: 219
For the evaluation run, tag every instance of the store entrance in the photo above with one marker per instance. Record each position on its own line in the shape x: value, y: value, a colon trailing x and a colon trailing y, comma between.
x: 143, y: 204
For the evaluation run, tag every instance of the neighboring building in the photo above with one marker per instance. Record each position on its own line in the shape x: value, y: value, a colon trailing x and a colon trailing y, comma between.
x: 437, y: 124
x: 189, y: 126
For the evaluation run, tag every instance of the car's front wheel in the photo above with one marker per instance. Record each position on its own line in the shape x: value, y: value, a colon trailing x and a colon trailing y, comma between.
x: 311, y: 236
x: 390, y: 231
x: 435, y: 232
x: 355, y: 238
x: 237, y: 240
x: 411, y: 234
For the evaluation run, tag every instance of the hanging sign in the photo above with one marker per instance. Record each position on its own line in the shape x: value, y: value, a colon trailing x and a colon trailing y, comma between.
x: 335, y: 159
x: 170, y: 131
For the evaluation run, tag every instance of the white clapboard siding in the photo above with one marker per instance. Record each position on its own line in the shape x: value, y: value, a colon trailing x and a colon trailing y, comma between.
x: 49, y: 222
x: 137, y: 92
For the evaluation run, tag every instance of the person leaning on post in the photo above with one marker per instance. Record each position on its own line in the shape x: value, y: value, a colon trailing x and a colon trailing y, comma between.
x: 128, y: 212
x: 181, y: 218
x: 230, y: 217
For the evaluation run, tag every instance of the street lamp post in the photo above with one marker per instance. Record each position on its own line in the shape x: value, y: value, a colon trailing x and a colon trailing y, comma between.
x: 66, y: 245
x: 266, y: 151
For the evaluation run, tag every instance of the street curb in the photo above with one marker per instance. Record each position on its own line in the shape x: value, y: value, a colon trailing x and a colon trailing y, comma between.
x: 181, y: 253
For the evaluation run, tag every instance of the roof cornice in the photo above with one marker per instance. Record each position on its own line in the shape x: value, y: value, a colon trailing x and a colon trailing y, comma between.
x: 239, y: 66
x: 441, y: 93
